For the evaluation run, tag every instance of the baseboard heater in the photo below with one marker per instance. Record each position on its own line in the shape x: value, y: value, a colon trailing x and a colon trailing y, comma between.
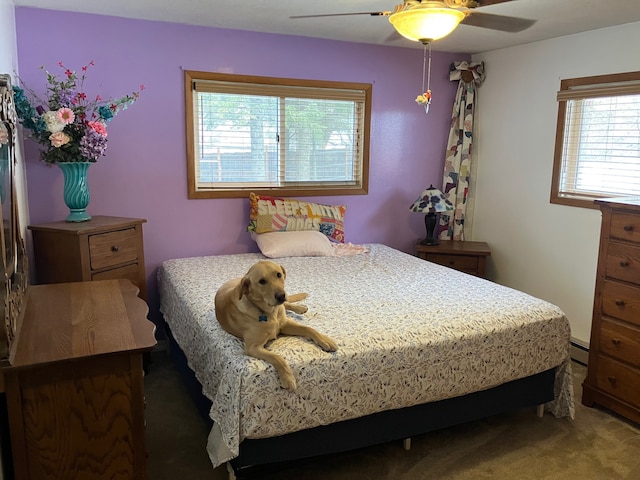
x: 579, y: 351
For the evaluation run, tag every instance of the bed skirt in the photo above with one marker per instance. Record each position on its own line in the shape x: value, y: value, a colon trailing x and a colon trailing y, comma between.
x: 256, y: 455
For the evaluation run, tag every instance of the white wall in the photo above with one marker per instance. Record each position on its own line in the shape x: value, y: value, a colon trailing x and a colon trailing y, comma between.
x: 8, y: 47
x: 546, y: 250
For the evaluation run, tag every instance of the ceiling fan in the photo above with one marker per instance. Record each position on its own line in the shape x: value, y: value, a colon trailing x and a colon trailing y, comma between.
x: 427, y: 20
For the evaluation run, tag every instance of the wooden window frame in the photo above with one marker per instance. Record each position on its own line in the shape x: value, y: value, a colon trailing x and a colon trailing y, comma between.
x: 194, y: 192
x: 583, y: 87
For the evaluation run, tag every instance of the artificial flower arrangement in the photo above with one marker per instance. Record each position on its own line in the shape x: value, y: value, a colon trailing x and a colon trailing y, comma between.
x: 70, y: 127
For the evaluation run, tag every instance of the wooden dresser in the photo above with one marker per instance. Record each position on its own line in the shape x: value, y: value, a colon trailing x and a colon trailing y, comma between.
x: 613, y: 375
x: 469, y: 257
x: 103, y: 248
x: 74, y: 383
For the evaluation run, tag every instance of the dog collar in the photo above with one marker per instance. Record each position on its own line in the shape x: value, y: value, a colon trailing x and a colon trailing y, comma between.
x: 262, y: 317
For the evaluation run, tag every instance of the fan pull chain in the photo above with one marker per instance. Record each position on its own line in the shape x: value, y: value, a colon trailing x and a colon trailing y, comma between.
x: 428, y: 91
x: 425, y: 97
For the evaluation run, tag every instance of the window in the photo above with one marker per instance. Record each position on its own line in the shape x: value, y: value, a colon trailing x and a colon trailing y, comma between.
x: 597, y: 150
x: 274, y: 135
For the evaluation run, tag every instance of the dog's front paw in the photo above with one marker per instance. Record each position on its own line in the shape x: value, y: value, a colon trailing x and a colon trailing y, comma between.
x: 288, y: 381
x: 327, y: 344
x: 297, y: 308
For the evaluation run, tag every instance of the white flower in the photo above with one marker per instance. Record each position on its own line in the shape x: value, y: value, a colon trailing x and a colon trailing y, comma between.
x: 54, y: 124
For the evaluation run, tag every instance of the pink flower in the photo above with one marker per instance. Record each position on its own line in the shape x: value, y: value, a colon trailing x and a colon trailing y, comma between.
x: 59, y: 138
x: 66, y: 115
x: 98, y: 127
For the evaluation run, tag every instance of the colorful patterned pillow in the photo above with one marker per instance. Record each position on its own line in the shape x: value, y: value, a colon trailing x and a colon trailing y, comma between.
x: 271, y: 214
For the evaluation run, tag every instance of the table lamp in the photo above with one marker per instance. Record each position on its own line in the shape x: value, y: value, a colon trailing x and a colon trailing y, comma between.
x: 431, y: 201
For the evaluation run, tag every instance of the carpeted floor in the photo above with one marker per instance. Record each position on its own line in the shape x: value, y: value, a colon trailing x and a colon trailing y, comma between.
x: 597, y: 445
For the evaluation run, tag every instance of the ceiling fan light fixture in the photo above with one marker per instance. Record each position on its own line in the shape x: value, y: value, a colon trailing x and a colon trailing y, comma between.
x: 424, y: 22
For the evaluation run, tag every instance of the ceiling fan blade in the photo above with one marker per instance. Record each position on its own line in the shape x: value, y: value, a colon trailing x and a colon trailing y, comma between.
x: 486, y: 3
x: 497, y: 22
x: 394, y: 36
x: 373, y: 14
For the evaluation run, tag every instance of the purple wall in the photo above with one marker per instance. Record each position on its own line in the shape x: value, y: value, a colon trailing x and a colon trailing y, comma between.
x: 144, y: 172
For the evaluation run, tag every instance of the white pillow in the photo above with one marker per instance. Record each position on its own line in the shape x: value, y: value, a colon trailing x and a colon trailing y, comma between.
x: 308, y: 243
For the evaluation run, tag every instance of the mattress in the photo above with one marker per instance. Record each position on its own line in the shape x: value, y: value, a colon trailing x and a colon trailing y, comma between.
x: 408, y: 332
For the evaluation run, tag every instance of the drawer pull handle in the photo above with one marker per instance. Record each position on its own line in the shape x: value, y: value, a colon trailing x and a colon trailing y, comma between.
x: 628, y: 228
x: 619, y: 303
x: 612, y: 380
x: 115, y: 248
x: 624, y: 263
x: 615, y: 341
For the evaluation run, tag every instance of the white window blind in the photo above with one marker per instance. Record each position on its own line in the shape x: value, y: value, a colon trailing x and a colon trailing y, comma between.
x: 252, y: 133
x: 599, y: 152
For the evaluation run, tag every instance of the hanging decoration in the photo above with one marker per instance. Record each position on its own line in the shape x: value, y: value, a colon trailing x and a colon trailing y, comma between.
x: 425, y: 97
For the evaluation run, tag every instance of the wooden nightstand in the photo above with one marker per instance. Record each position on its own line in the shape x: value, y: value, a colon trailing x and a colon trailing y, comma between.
x: 104, y: 248
x: 469, y: 257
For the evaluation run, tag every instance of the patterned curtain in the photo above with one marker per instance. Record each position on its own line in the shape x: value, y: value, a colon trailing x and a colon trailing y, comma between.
x: 457, y: 167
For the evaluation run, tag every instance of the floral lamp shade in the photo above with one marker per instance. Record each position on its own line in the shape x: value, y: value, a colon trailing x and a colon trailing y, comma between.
x: 431, y: 201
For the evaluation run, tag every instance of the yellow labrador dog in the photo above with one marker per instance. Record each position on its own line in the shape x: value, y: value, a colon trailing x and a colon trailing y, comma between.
x: 253, y: 308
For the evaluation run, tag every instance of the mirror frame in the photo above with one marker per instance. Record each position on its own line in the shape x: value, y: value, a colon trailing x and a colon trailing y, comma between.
x: 14, y: 274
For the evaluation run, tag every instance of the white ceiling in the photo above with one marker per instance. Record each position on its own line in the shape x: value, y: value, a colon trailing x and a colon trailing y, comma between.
x: 554, y: 18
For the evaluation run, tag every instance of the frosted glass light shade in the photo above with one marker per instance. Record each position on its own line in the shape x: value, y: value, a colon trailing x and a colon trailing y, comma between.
x: 424, y: 23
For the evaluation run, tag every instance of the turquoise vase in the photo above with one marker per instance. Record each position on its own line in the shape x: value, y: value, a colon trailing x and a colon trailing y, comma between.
x: 76, y: 190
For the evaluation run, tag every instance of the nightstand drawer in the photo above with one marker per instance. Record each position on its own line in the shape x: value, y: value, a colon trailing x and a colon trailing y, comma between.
x: 623, y: 262
x: 130, y: 272
x: 621, y: 301
x: 466, y: 256
x: 620, y: 342
x: 618, y: 380
x: 113, y: 248
x: 459, y: 262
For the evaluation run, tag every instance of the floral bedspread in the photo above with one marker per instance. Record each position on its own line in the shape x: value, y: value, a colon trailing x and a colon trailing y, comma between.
x: 408, y: 332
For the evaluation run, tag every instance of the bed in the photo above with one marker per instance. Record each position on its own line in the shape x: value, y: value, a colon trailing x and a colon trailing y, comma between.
x: 421, y: 347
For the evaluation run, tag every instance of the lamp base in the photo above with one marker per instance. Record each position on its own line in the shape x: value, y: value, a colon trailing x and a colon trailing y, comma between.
x: 430, y: 241
x: 430, y: 225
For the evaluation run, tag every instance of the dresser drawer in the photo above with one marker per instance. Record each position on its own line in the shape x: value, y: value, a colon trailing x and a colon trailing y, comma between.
x: 459, y: 262
x: 113, y: 248
x: 620, y: 341
x: 618, y: 380
x: 623, y: 262
x: 625, y: 226
x: 621, y: 301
